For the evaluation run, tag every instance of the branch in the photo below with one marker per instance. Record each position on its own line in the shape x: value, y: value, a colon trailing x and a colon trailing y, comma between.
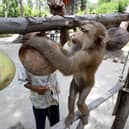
x: 23, y: 25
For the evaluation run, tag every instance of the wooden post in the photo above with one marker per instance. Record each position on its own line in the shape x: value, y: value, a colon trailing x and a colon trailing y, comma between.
x: 121, y: 110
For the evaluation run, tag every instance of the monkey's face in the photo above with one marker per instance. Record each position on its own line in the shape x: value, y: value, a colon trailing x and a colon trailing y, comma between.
x: 90, y: 33
x: 76, y: 37
x: 85, y: 36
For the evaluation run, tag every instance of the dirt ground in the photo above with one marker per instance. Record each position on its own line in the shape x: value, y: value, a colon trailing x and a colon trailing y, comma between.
x: 15, y: 105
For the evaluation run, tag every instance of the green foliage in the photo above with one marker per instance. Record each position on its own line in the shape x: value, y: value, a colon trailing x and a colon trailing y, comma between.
x: 81, y: 12
x: 11, y: 8
x: 43, y: 13
x: 30, y: 4
x: 5, y: 35
x: 27, y: 11
x: 34, y: 12
x: 122, y: 5
x: 103, y: 1
x: 91, y: 7
x: 1, y: 10
x: 109, y: 6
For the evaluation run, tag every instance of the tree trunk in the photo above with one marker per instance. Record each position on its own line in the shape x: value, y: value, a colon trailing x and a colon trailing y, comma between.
x: 21, y: 8
x: 39, y: 7
x: 23, y: 25
x: 83, y: 5
x: 7, y: 8
x: 73, y: 6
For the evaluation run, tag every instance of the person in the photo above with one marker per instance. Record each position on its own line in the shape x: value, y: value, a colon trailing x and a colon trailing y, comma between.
x: 44, y: 92
x: 44, y: 98
x: 59, y: 7
x: 44, y: 89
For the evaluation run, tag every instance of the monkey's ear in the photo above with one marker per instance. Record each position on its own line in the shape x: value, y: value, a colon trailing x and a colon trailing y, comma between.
x: 102, y: 38
x: 99, y: 39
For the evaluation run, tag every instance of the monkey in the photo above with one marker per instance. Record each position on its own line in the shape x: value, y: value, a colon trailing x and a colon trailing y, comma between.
x: 32, y: 60
x: 83, y: 62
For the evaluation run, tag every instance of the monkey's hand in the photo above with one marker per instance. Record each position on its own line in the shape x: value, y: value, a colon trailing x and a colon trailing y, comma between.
x: 69, y: 120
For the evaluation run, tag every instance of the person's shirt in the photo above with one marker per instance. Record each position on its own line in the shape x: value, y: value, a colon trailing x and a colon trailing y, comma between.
x: 49, y: 97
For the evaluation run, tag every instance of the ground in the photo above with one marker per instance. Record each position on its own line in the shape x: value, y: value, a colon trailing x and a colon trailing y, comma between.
x: 15, y: 105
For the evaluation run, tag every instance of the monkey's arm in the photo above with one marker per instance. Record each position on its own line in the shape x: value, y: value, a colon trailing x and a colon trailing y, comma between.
x: 67, y: 65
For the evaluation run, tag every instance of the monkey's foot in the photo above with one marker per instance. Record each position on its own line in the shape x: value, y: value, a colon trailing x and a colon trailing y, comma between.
x: 84, y: 119
x: 69, y: 120
x: 80, y: 125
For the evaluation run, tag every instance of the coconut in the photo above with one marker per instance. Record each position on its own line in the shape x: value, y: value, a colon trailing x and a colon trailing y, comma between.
x: 118, y: 38
x: 7, y: 70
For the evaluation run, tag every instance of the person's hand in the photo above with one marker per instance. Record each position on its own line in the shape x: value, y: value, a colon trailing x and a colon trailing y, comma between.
x: 27, y: 85
x: 57, y: 7
x: 41, y: 90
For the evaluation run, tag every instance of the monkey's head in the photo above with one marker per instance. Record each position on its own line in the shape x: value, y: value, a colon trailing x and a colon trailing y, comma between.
x: 90, y: 33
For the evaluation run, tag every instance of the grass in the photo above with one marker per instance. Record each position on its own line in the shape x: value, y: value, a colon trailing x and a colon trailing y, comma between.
x: 5, y: 35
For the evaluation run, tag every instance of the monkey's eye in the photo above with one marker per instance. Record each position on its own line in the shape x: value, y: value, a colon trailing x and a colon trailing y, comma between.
x: 84, y: 30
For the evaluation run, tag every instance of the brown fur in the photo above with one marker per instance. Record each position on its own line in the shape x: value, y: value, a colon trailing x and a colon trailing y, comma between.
x: 34, y: 62
x: 87, y: 54
x: 31, y: 58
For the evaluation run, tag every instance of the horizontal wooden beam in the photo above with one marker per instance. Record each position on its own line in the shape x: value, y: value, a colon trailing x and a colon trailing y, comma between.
x: 23, y: 25
x: 94, y: 104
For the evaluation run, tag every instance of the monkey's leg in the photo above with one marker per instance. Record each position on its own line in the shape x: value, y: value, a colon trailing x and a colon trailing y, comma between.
x: 71, y: 103
x: 83, y: 108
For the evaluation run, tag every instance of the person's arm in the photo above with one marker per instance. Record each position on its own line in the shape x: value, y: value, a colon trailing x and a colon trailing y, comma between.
x: 39, y: 89
x: 57, y: 7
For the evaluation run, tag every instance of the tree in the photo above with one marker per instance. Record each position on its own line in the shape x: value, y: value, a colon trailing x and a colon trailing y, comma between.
x: 39, y: 7
x: 83, y: 5
x: 30, y: 3
x: 21, y: 7
x: 10, y: 8
x: 103, y: 1
x: 6, y: 5
x: 110, y: 6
